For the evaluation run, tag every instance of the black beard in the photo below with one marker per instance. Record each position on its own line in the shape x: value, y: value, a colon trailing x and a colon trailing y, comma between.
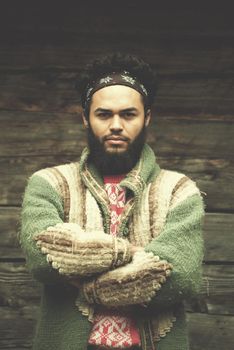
x: 115, y: 163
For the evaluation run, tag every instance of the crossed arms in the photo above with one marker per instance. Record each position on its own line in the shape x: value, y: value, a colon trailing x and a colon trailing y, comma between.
x: 108, y: 270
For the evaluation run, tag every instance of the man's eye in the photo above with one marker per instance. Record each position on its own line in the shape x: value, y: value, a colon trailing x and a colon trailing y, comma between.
x: 129, y: 115
x: 103, y: 115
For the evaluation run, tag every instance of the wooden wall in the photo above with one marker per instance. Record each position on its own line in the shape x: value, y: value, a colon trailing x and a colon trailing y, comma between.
x: 42, y: 49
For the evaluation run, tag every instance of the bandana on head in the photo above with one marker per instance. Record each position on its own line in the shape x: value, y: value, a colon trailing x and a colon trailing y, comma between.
x: 115, y: 79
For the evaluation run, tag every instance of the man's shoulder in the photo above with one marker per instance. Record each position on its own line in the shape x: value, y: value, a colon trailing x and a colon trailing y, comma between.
x: 58, y: 174
x: 175, y: 179
x: 174, y: 186
x: 57, y: 167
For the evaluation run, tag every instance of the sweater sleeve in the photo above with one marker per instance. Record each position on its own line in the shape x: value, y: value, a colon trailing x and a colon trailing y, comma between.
x: 176, y: 275
x: 181, y: 244
x: 42, y: 207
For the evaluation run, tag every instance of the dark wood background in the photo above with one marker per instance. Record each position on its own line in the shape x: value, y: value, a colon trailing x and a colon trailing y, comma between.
x: 43, y: 48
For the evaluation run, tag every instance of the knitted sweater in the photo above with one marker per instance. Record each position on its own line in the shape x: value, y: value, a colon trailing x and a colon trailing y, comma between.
x: 65, y: 235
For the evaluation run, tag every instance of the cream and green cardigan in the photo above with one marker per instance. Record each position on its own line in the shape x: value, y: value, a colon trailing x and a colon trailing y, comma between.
x: 163, y: 214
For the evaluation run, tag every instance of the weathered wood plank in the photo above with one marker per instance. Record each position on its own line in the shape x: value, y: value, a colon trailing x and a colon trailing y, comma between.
x: 218, y: 236
x: 204, y: 95
x: 196, y: 57
x: 218, y: 280
x: 172, y: 53
x: 47, y: 90
x: 17, y: 326
x: 216, y: 296
x: 17, y: 288
x: 211, y: 332
x: 188, y: 137
x: 9, y: 233
x: 29, y: 133
x: 218, y: 232
x: 213, y: 176
x: 32, y: 133
x: 39, y: 91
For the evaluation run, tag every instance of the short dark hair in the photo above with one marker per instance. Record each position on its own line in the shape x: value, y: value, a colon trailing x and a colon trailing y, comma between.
x: 118, y: 62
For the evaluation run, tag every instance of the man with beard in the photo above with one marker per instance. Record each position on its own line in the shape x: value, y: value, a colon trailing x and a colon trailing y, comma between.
x: 115, y: 240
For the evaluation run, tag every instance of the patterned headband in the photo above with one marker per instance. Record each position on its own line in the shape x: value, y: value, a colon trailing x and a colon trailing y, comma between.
x: 115, y: 79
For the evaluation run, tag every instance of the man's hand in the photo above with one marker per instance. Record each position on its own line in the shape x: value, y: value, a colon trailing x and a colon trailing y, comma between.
x: 74, y: 252
x: 78, y: 283
x: 134, y: 283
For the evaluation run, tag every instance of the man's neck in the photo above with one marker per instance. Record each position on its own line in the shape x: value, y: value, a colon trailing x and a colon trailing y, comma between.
x: 114, y: 179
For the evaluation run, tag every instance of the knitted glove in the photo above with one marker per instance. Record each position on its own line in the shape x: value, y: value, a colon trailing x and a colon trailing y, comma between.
x: 74, y: 252
x: 134, y: 283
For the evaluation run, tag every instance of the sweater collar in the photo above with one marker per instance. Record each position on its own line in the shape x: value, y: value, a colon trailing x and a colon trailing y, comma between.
x: 136, y: 180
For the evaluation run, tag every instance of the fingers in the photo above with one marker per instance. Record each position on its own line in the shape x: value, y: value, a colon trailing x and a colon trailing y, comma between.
x: 76, y: 260
x: 54, y: 237
x: 66, y: 238
x: 126, y: 294
x: 71, y: 228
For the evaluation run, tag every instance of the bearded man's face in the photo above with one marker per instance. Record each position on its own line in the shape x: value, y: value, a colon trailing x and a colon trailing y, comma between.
x: 117, y: 125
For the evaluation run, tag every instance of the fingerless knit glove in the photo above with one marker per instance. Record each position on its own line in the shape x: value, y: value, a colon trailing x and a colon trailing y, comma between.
x: 134, y: 283
x: 74, y: 252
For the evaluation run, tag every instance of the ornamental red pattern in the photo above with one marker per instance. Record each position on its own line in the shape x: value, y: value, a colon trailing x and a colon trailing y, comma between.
x: 114, y: 331
x: 111, y: 329
x: 117, y: 201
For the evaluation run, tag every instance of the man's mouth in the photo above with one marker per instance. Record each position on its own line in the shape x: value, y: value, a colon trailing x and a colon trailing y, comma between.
x: 116, y: 140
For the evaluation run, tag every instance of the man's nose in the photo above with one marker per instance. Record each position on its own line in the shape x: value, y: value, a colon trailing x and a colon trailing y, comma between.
x: 116, y: 123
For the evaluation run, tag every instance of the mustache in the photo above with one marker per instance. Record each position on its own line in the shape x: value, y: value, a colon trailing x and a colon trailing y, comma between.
x: 115, y: 137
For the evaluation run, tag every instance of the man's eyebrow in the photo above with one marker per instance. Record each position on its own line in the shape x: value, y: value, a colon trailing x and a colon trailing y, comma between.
x: 129, y: 109
x: 102, y: 110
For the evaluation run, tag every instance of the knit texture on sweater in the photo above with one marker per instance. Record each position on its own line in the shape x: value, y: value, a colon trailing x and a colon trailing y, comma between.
x: 172, y: 218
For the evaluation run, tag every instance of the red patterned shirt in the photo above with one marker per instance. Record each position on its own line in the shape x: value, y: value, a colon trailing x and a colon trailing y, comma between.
x: 112, y: 329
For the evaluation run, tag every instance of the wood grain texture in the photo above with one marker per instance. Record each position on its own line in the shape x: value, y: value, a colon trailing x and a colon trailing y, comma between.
x: 218, y: 236
x: 210, y: 331
x: 174, y: 55
x: 17, y: 327
x: 17, y: 287
x: 9, y: 233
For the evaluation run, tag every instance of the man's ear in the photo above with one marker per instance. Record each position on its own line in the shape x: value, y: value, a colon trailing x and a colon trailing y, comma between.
x: 85, y: 121
x: 147, y: 117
